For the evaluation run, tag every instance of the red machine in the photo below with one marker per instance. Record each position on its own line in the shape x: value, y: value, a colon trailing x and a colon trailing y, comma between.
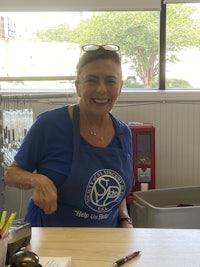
x: 143, y: 139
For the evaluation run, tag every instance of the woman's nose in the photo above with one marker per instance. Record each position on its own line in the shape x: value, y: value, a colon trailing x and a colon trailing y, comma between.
x: 101, y: 87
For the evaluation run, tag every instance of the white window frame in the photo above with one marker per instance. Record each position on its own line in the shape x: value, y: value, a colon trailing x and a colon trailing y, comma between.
x: 79, y: 5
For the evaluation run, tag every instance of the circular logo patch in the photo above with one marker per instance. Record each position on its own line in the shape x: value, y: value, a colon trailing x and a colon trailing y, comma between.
x: 105, y: 190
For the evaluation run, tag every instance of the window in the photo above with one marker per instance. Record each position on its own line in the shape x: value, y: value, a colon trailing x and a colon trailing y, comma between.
x: 48, y: 44
x: 39, y: 50
x: 183, y: 46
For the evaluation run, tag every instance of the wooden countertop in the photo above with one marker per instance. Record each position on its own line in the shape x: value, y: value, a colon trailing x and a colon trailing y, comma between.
x: 100, y: 247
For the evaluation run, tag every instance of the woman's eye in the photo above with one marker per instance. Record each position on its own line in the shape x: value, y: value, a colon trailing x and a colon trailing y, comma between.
x: 91, y: 81
x: 111, y: 81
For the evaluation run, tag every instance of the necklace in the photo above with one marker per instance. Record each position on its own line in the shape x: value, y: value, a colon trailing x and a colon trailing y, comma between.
x: 93, y: 133
x: 102, y: 127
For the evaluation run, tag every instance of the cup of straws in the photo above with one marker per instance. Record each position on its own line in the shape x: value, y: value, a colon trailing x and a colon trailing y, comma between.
x: 5, y: 224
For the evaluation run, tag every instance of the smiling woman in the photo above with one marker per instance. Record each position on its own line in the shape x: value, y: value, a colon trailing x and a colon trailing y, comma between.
x: 78, y: 158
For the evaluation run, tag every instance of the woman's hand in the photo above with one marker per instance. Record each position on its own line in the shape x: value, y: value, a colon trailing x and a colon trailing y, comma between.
x: 123, y: 213
x: 44, y: 193
x: 126, y: 224
x: 44, y: 190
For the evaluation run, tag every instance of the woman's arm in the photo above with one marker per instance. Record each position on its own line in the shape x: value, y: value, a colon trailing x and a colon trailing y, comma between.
x: 44, y: 190
x: 123, y: 216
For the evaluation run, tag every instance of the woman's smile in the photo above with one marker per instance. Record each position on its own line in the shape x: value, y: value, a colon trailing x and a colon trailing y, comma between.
x: 101, y: 100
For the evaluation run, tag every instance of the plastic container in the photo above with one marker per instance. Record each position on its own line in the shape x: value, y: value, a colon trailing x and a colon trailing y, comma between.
x: 3, y: 250
x: 167, y: 208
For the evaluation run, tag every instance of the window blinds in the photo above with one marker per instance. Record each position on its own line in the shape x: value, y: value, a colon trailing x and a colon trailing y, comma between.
x: 79, y: 5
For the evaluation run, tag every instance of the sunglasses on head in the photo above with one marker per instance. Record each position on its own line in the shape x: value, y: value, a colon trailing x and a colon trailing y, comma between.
x: 95, y: 47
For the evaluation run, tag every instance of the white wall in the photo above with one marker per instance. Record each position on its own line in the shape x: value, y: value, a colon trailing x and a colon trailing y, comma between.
x: 176, y: 117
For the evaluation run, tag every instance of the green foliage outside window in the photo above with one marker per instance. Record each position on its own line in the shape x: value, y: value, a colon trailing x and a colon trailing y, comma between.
x: 137, y: 33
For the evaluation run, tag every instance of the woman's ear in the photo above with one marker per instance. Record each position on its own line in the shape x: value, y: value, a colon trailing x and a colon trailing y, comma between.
x: 77, y: 87
x: 122, y: 82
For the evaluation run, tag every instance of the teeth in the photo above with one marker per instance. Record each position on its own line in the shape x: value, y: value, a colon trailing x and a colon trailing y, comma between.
x: 101, y: 100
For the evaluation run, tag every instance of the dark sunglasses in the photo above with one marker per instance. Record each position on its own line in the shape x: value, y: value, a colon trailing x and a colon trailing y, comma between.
x: 95, y: 47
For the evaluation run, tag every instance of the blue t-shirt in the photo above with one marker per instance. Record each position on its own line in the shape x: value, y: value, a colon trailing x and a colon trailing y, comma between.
x: 48, y: 146
x: 48, y: 149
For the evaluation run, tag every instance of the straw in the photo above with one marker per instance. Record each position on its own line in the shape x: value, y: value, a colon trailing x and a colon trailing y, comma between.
x: 6, y: 223
x: 3, y: 219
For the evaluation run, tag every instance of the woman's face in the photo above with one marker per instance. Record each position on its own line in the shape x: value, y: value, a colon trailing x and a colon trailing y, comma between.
x: 98, y: 86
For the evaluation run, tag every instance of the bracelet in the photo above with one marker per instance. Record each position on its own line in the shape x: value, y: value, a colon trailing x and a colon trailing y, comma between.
x: 128, y: 219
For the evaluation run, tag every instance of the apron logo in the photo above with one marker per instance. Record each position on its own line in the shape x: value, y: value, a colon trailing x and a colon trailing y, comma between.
x: 105, y: 190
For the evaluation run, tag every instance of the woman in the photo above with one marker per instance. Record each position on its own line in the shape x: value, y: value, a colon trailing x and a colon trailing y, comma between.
x: 78, y: 159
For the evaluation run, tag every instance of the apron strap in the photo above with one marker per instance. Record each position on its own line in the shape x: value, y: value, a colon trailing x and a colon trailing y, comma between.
x: 76, y: 127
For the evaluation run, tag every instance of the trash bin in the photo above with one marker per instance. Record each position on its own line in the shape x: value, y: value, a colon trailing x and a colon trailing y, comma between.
x: 177, y: 207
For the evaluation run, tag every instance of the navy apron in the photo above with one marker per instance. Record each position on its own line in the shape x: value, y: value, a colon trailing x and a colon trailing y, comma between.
x: 99, y: 180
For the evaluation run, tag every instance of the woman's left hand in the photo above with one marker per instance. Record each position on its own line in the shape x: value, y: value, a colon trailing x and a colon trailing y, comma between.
x: 126, y: 224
